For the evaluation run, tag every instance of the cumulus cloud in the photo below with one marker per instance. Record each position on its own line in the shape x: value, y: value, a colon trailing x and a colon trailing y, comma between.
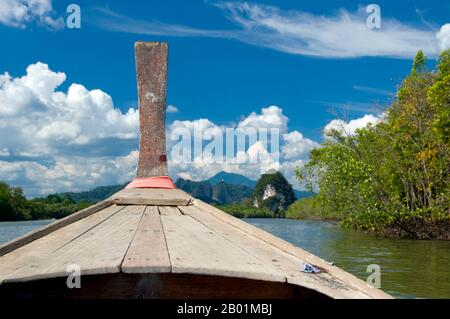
x: 349, y: 128
x: 296, y: 146
x: 290, y: 150
x: 443, y: 37
x: 341, y: 35
x: 68, y: 173
x: 270, y: 117
x: 18, y: 13
x: 54, y: 140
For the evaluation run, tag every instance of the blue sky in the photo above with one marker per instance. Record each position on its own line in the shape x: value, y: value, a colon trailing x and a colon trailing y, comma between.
x: 226, y: 60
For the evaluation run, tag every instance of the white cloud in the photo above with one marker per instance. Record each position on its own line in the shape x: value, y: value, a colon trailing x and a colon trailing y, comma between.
x: 18, y: 13
x: 372, y: 90
x: 349, y: 128
x: 443, y: 37
x: 342, y: 35
x: 270, y: 117
x: 69, y: 173
x: 172, y: 109
x: 55, y: 141
x: 203, y: 168
x: 296, y: 146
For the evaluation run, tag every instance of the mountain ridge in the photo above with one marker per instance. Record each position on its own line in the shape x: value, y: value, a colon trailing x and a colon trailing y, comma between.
x: 224, y: 188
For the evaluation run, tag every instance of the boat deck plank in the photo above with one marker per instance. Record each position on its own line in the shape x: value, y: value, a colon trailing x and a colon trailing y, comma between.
x: 99, y: 251
x: 272, y: 256
x: 152, y: 196
x: 28, y: 257
x: 335, y: 273
x: 148, y: 251
x: 196, y: 249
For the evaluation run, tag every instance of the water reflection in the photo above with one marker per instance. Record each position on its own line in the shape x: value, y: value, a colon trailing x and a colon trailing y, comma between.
x: 11, y: 230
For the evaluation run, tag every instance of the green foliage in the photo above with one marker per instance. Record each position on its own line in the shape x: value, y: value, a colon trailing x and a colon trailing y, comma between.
x: 420, y: 62
x: 246, y: 211
x: 284, y: 193
x: 12, y: 203
x: 397, y: 173
x: 444, y: 63
x: 54, y: 206
x: 94, y: 195
x: 14, y: 206
x: 309, y: 208
x: 439, y: 98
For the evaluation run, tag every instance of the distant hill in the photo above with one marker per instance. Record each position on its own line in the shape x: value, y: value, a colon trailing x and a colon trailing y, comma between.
x: 95, y: 195
x: 222, y: 188
x: 274, y: 192
x: 220, y: 193
x: 236, y: 179
x: 224, y: 193
x: 232, y: 178
x: 201, y: 190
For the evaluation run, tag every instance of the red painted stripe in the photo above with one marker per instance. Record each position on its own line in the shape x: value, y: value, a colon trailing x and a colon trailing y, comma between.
x: 152, y: 182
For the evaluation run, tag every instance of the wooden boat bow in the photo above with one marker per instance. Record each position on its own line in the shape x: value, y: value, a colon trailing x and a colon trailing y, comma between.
x: 152, y: 240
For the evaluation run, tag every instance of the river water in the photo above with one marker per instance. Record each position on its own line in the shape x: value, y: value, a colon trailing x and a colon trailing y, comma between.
x: 409, y: 269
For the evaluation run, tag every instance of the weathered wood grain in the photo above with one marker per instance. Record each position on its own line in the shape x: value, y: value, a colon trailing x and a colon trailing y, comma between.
x: 333, y: 271
x: 148, y: 250
x: 169, y: 211
x: 196, y: 249
x: 275, y: 258
x: 37, y: 252
x: 151, y: 69
x: 151, y: 197
x: 99, y: 251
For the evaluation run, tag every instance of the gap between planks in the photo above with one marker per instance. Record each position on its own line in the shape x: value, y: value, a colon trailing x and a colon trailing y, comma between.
x: 148, y: 251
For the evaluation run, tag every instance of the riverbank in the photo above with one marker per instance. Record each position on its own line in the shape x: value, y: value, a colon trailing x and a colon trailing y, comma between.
x: 309, y: 209
x: 418, y: 228
x: 306, y: 209
x: 15, y: 207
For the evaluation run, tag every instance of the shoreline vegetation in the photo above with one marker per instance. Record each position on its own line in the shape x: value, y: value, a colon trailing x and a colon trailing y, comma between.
x: 15, y: 207
x: 392, y: 177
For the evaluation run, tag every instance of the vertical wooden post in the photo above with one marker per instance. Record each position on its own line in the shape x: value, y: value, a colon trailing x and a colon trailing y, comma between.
x: 151, y: 69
